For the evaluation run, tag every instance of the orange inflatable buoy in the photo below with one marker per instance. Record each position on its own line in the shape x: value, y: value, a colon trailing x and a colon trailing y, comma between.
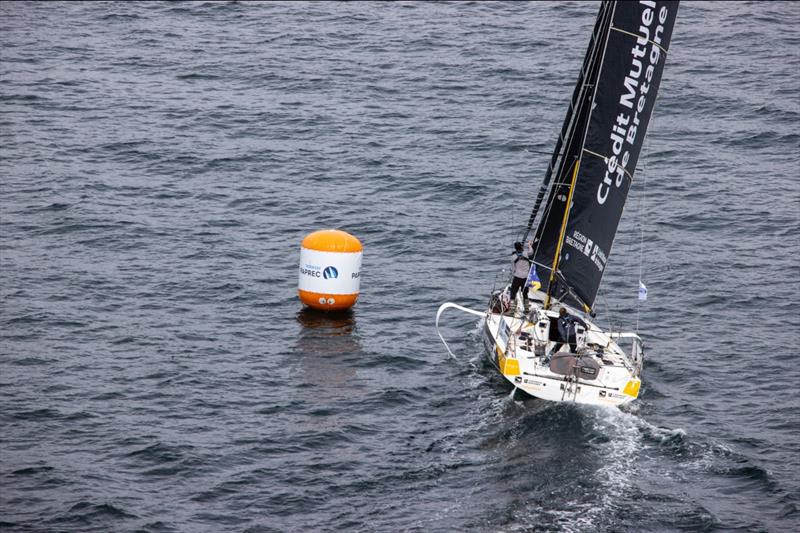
x: 330, y: 270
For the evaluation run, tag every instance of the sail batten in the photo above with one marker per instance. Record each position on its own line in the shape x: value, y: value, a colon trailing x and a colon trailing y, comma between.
x: 615, y: 97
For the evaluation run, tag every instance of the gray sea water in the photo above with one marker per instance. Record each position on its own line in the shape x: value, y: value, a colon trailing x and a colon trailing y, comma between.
x: 161, y: 162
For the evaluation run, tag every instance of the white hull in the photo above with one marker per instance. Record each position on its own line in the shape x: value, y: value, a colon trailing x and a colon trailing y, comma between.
x: 600, y: 373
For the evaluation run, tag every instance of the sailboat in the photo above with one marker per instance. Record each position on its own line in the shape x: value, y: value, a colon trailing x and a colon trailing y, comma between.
x: 586, y: 185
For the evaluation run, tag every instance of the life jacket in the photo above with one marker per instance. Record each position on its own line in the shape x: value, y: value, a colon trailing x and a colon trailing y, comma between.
x: 522, y: 272
x: 521, y: 255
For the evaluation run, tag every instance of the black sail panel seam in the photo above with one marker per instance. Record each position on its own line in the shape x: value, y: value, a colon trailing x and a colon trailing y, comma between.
x: 605, y: 160
x: 626, y: 32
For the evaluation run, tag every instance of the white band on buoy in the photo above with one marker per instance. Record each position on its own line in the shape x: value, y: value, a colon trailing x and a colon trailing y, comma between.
x: 329, y: 272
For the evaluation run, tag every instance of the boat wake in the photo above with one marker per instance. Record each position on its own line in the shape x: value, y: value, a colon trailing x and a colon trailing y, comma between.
x: 572, y: 467
x: 624, y: 472
x: 614, y: 439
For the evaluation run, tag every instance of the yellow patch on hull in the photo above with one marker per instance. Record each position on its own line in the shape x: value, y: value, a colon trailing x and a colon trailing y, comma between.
x: 632, y: 388
x: 509, y: 367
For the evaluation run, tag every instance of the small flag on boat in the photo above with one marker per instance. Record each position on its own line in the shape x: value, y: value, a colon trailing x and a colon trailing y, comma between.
x: 642, y: 291
x: 533, y: 280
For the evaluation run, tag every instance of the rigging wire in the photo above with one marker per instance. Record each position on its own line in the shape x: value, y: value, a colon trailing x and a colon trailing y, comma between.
x: 537, y: 152
x: 641, y: 245
x: 609, y: 311
x: 642, y: 200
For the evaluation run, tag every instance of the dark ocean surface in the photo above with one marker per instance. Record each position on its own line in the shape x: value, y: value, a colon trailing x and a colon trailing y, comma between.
x: 161, y: 162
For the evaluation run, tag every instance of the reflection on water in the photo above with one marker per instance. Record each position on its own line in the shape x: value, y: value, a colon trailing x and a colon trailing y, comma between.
x: 327, y: 353
x: 326, y: 323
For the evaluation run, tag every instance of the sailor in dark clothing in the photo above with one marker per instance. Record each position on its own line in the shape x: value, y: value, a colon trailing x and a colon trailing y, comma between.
x: 521, y: 265
x: 566, y: 330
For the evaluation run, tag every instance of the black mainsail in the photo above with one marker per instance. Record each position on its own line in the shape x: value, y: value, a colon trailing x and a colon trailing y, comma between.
x: 596, y: 154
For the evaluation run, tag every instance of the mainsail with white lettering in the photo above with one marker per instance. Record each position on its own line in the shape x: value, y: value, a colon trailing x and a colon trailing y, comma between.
x: 601, y: 139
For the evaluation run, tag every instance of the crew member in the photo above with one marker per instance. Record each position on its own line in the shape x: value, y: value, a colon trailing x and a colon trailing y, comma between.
x: 520, y: 266
x: 566, y: 330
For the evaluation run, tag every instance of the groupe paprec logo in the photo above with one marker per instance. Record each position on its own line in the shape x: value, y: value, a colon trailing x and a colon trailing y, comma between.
x: 330, y: 273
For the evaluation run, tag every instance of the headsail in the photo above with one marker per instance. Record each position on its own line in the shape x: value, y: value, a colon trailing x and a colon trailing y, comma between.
x: 609, y: 116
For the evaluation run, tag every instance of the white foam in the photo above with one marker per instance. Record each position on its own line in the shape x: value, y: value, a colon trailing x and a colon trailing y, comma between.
x: 620, y: 454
